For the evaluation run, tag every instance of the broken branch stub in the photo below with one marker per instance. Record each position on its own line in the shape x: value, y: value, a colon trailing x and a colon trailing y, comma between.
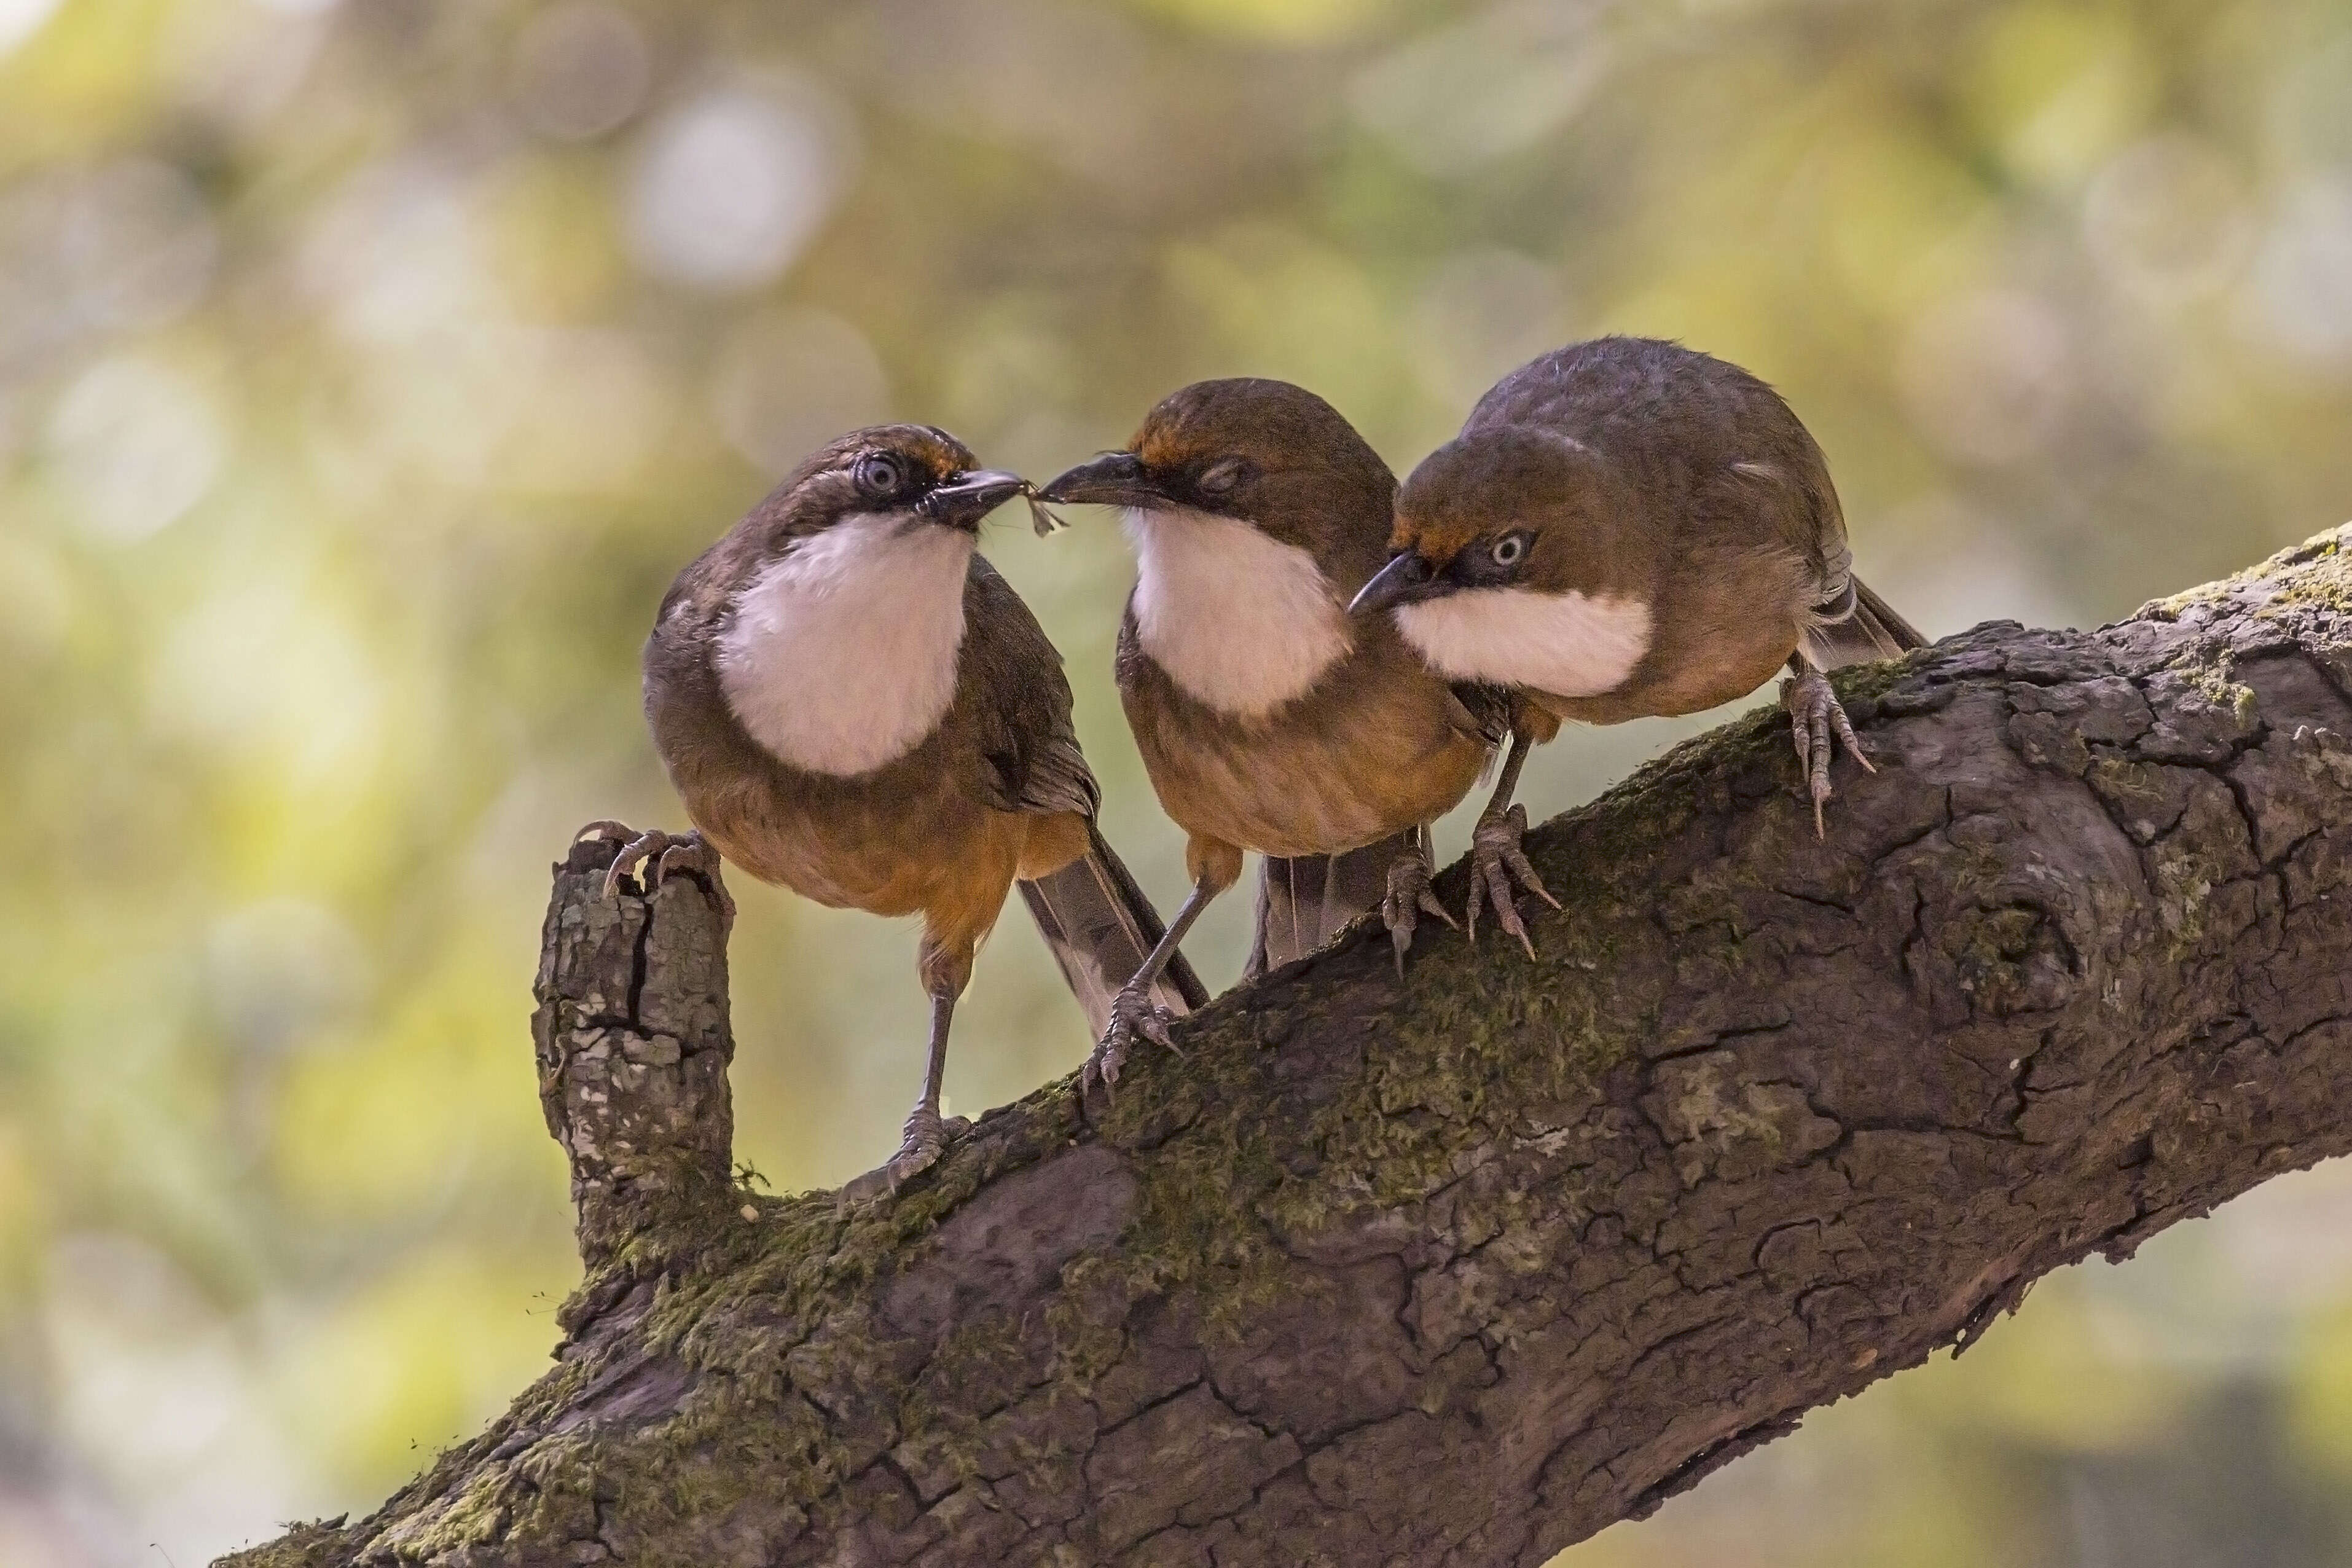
x: 632, y: 1039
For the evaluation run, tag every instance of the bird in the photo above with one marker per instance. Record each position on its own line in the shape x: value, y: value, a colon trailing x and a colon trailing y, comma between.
x: 1268, y: 719
x: 852, y: 703
x: 1626, y: 528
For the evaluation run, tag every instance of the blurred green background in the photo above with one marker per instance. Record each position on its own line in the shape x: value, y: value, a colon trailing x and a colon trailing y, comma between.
x: 366, y: 371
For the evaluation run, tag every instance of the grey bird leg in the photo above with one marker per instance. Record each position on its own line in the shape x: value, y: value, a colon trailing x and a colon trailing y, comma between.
x: 1408, y: 898
x: 650, y: 857
x: 1496, y: 857
x: 926, y: 1133
x: 1132, y: 1012
x: 1815, y: 716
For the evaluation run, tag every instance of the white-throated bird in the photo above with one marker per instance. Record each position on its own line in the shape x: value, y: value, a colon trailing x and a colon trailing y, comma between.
x: 852, y: 704
x: 1627, y: 528
x: 1268, y: 719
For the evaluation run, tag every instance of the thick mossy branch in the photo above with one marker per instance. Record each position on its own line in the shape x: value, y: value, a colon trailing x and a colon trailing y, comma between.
x: 1461, y: 1270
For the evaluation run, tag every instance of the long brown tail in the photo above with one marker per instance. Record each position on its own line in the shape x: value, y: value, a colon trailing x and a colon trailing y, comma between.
x: 1100, y: 926
x: 1857, y: 627
x: 1305, y: 900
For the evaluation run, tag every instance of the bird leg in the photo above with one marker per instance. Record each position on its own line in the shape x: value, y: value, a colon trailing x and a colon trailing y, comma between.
x: 1132, y: 1011
x: 1496, y: 857
x: 1815, y: 716
x: 926, y: 1134
x: 650, y: 857
x: 1408, y: 898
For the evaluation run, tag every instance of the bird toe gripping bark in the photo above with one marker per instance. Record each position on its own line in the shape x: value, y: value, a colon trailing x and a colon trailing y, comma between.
x: 652, y: 856
x: 1407, y: 899
x: 1496, y: 858
x: 1132, y: 1013
x: 924, y: 1138
x: 1814, y: 716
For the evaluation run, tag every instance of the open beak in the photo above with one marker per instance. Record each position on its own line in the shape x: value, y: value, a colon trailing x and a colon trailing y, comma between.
x: 961, y: 500
x: 1406, y: 579
x: 1115, y: 478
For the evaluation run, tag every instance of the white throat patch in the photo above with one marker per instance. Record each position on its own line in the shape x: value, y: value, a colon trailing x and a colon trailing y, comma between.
x: 840, y: 654
x: 1241, y: 622
x: 1565, y: 644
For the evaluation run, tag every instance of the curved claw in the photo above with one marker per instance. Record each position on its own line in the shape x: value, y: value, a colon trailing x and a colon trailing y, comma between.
x: 649, y: 857
x: 1815, y: 716
x: 922, y: 1139
x: 1408, y: 898
x: 1132, y: 1014
x: 1497, y: 860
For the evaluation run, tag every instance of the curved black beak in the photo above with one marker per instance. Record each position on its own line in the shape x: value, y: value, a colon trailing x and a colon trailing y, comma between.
x: 961, y: 500
x: 1115, y: 478
x: 1406, y: 579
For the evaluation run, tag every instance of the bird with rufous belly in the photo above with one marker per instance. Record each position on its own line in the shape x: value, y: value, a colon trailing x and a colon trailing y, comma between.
x: 1268, y: 719
x: 852, y: 704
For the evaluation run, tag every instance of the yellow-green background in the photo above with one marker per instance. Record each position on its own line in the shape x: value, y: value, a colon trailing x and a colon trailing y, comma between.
x: 365, y: 371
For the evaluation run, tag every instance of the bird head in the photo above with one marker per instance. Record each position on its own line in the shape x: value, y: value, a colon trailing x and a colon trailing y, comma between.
x: 908, y: 475
x: 1517, y: 557
x: 1262, y: 453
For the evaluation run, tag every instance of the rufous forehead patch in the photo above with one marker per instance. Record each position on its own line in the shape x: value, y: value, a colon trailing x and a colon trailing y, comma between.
x: 1161, y: 447
x: 1437, y: 540
x: 945, y: 456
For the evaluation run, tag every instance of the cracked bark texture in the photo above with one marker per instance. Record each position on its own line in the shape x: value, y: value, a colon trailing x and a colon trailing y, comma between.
x: 1461, y: 1270
x: 632, y: 1040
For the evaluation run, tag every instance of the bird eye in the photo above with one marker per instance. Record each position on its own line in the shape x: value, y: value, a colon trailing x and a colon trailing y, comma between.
x: 879, y: 473
x: 1507, y: 550
x: 1219, y: 479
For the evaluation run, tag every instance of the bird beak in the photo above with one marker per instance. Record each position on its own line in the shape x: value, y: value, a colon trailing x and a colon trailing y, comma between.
x: 1115, y: 478
x: 961, y: 500
x: 1406, y: 579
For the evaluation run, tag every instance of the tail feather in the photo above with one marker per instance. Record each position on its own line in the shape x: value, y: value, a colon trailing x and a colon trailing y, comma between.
x: 1101, y: 927
x: 1857, y: 629
x: 1305, y: 900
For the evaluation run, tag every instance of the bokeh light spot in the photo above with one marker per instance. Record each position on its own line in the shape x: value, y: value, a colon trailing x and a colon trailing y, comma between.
x: 731, y: 184
x: 136, y: 444
x: 20, y: 19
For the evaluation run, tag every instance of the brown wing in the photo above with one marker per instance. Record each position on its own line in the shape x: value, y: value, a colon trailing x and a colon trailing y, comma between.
x: 1019, y: 702
x: 1715, y: 451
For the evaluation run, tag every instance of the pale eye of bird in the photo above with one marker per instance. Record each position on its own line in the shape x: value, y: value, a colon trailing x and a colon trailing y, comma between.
x: 1509, y: 550
x: 879, y: 473
x: 1219, y: 479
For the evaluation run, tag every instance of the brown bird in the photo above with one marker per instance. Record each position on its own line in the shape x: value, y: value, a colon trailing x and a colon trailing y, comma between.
x: 852, y: 704
x: 1627, y: 528
x: 1268, y: 719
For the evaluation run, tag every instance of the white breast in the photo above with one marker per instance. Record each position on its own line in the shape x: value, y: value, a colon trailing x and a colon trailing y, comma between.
x: 1565, y: 644
x: 1241, y: 622
x: 840, y: 655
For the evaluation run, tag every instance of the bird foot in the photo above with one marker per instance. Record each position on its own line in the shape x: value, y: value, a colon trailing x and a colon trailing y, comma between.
x: 1496, y: 858
x: 1407, y: 899
x: 1132, y: 1014
x: 649, y: 857
x: 1814, y: 716
x: 924, y: 1138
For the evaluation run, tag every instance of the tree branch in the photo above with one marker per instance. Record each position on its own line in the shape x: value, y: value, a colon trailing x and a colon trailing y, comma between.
x: 1461, y: 1272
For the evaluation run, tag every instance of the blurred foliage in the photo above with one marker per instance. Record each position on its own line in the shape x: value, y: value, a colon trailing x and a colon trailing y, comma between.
x: 365, y: 371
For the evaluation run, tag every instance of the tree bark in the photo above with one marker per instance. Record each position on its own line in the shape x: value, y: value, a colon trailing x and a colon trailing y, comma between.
x: 1462, y: 1269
